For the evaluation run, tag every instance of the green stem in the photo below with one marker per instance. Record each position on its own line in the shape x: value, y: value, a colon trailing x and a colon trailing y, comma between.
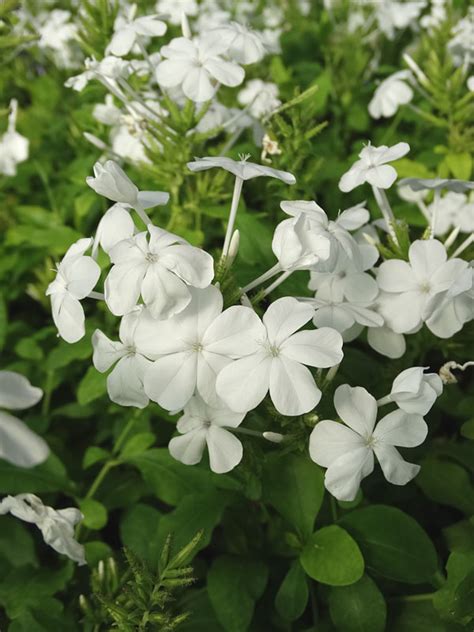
x: 48, y: 391
x: 414, y: 598
x: 333, y: 504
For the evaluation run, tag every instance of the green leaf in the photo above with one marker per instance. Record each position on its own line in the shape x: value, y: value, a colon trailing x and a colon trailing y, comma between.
x: 66, y: 353
x: 203, y: 618
x: 358, y: 608
x: 3, y: 321
x: 170, y: 480
x: 467, y: 429
x: 137, y: 444
x: 16, y: 542
x: 455, y: 600
x: 294, y: 485
x: 234, y: 584
x: 94, y: 455
x: 29, y: 349
x: 393, y: 543
x: 447, y: 483
x: 460, y: 165
x: 92, y: 386
x: 50, y: 476
x: 138, y: 530
x: 95, y: 514
x: 292, y: 596
x: 416, y: 617
x: 332, y: 557
x: 56, y: 239
x: 96, y: 551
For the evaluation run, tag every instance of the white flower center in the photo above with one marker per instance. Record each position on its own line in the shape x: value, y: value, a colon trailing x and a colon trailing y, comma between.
x: 151, y: 257
x: 130, y: 350
x: 370, y: 441
x: 425, y: 287
x: 272, y: 349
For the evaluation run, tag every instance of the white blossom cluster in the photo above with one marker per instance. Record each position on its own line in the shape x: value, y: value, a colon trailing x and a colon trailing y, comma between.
x: 178, y: 347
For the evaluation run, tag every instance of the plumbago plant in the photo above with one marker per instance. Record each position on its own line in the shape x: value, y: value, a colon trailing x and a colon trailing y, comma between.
x: 250, y: 316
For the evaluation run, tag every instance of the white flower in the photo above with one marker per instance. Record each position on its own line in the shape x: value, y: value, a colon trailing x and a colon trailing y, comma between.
x: 107, y: 71
x: 244, y: 45
x: 241, y: 169
x: 194, y: 346
x: 392, y: 15
x: 76, y: 277
x: 18, y: 444
x: 202, y: 424
x: 174, y: 9
x: 56, y: 526
x: 111, y: 181
x: 277, y: 363
x: 115, y: 226
x: 260, y: 96
x: 348, y: 450
x: 386, y: 342
x: 409, y: 286
x: 461, y: 46
x: 390, y: 94
x: 13, y: 146
x: 415, y: 391
x: 160, y: 269
x: 197, y: 66
x: 450, y: 310
x: 436, y: 184
x: 129, y: 29
x: 470, y: 83
x: 57, y: 32
x: 373, y: 168
x: 125, y: 381
x: 453, y: 210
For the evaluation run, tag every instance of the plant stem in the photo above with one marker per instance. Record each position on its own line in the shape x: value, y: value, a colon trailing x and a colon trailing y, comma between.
x: 384, y: 400
x: 262, y: 278
x: 386, y: 210
x: 48, y: 391
x: 276, y: 283
x: 414, y: 598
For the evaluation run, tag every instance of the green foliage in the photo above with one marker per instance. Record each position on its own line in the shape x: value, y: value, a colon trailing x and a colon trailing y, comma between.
x: 358, y: 607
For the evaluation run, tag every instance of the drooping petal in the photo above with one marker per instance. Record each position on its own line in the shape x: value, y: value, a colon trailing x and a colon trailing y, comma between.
x: 357, y: 408
x: 352, y: 178
x: 330, y: 440
x: 344, y: 476
x: 386, y: 342
x: 225, y: 450
x: 68, y: 316
x: 321, y: 348
x: 284, y: 317
x: 163, y: 292
x: 243, y: 384
x: 20, y: 445
x: 106, y: 352
x: 401, y: 429
x: 150, y: 199
x: 395, y: 469
x: 234, y: 333
x: 16, y: 392
x: 116, y: 225
x: 125, y: 382
x: 82, y: 275
x: 292, y: 387
x: 171, y: 380
x: 188, y: 448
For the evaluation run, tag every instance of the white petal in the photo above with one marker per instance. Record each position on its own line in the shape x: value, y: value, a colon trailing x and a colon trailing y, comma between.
x: 170, y: 73
x: 225, y: 450
x: 193, y: 265
x: 20, y: 445
x: 284, y: 317
x: 357, y: 408
x: 209, y: 366
x: 352, y: 178
x: 123, y: 285
x: 360, y: 288
x: 395, y: 469
x: 125, y: 382
x: 82, y: 275
x: 321, y: 348
x: 333, y: 316
x: 234, y: 333
x: 116, y: 225
x: 243, y: 384
x: 330, y: 440
x: 344, y: 476
x: 16, y: 392
x: 197, y: 85
x: 68, y: 316
x: 226, y: 72
x: 386, y: 342
x: 354, y: 217
x: 382, y: 176
x: 401, y: 429
x: 396, y: 276
x: 122, y: 42
x: 188, y: 448
x: 171, y: 380
x: 106, y: 351
x: 292, y: 387
x: 403, y: 312
x: 163, y: 292
x: 426, y: 256
x: 150, y: 199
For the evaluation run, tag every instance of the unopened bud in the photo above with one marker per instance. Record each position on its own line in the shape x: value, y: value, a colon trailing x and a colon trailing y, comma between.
x: 233, y: 247
x: 273, y: 437
x: 101, y: 570
x: 417, y: 71
x: 245, y: 301
x: 185, y: 28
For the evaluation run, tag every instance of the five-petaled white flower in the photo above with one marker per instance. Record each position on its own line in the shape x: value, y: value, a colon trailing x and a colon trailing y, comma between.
x: 160, y: 269
x: 202, y: 424
x: 18, y: 444
x: 76, y: 277
x: 415, y: 391
x: 197, y: 66
x: 277, y: 363
x: 194, y: 346
x: 111, y: 181
x: 390, y: 94
x: 125, y: 381
x: 372, y: 167
x: 244, y: 45
x: 261, y: 97
x: 409, y: 287
x: 129, y: 29
x: 348, y: 450
x: 56, y: 526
